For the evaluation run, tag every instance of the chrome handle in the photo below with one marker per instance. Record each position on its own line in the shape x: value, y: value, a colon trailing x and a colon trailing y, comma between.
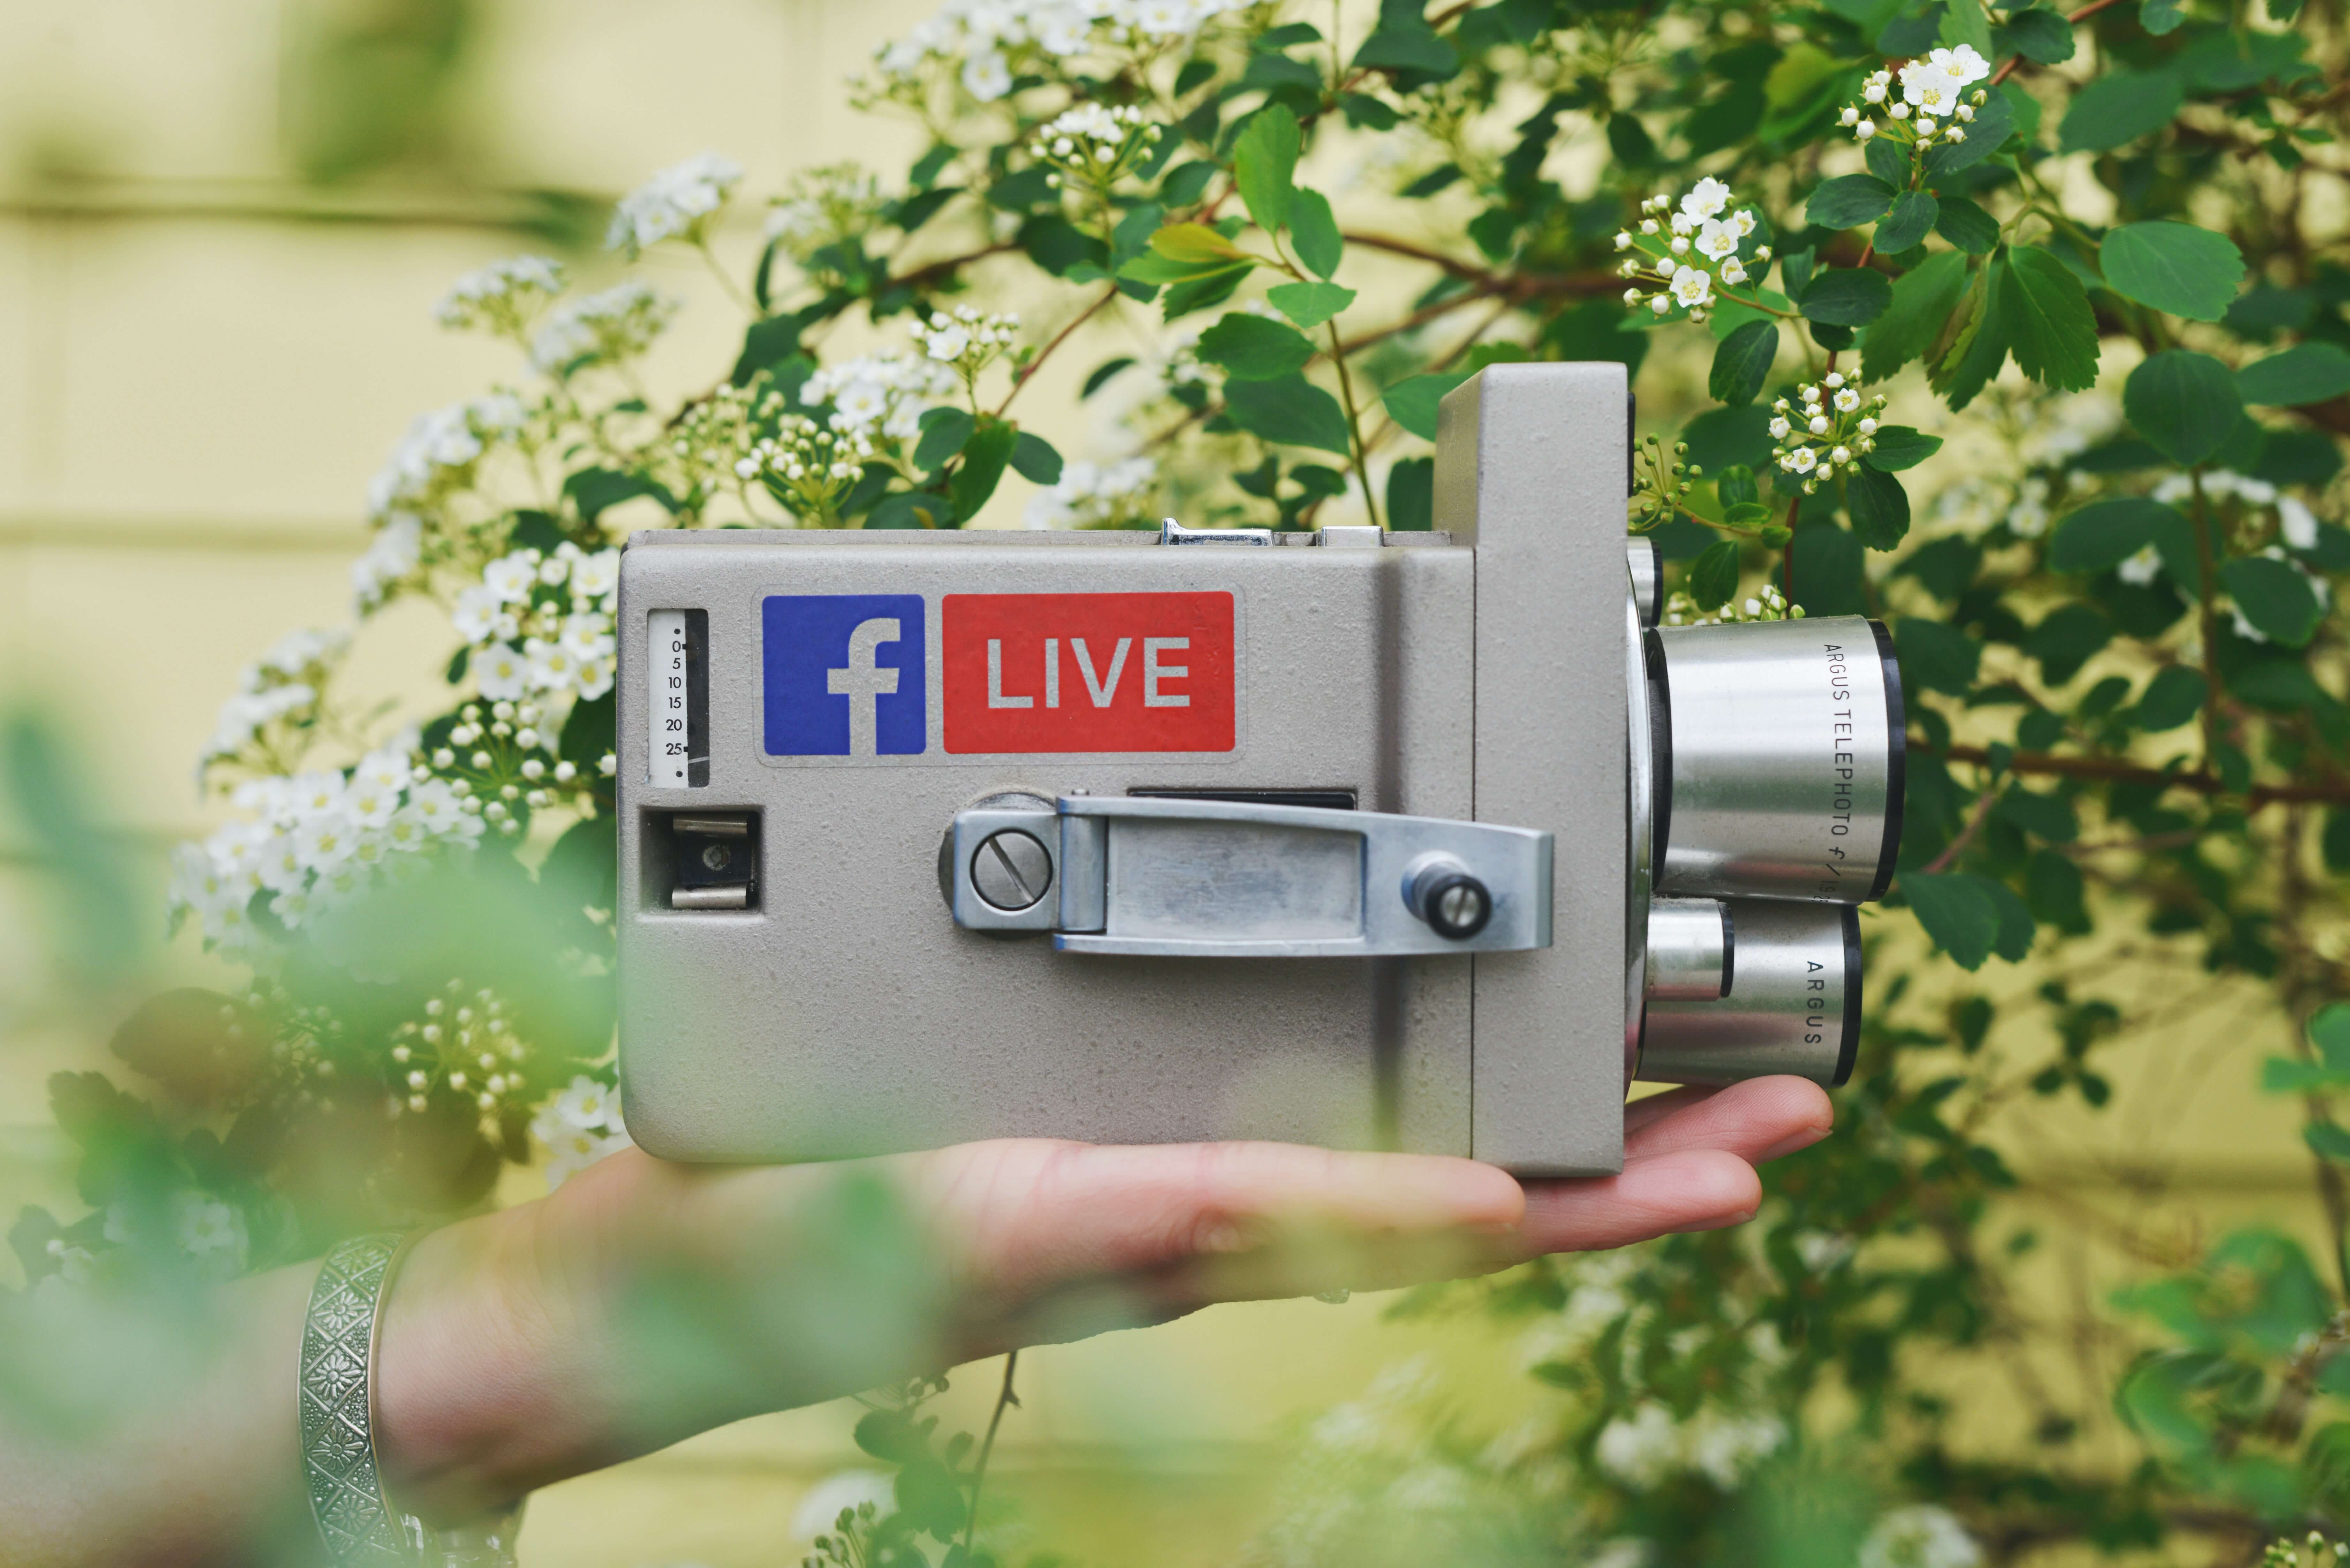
x: 1205, y: 878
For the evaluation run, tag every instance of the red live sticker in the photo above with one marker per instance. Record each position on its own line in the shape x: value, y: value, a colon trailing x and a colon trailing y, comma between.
x: 1088, y: 672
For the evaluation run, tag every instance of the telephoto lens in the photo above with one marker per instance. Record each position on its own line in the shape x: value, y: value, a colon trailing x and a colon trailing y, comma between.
x: 1778, y: 759
x: 1792, y: 1005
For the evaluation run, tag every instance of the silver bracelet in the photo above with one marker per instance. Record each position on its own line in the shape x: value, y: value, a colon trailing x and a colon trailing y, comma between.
x: 339, y: 1336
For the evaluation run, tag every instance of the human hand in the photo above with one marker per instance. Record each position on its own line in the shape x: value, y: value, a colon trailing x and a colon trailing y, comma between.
x: 644, y: 1301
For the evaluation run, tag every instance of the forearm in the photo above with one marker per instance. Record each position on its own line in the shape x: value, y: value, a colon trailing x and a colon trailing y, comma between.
x: 205, y: 1472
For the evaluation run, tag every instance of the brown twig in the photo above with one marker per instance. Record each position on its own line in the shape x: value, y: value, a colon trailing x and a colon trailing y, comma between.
x: 1975, y: 819
x: 1047, y: 352
x: 2114, y: 771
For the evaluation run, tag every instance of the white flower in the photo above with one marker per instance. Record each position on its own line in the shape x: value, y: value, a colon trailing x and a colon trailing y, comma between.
x: 393, y: 554
x: 1779, y: 427
x: 1865, y: 129
x: 1851, y: 116
x: 820, y: 1507
x: 1640, y: 1449
x: 948, y: 344
x: 882, y: 394
x: 1624, y: 1552
x: 370, y: 804
x: 1954, y: 134
x: 2297, y: 524
x: 389, y: 768
x: 1691, y: 286
x: 1803, y: 460
x: 1847, y: 401
x: 1919, y: 1536
x: 1733, y: 271
x: 280, y: 868
x: 1866, y: 426
x: 593, y: 576
x: 501, y: 674
x: 326, y: 841
x: 1842, y: 454
x: 211, y: 1231
x: 1717, y: 240
x: 481, y: 615
x: 1622, y: 241
x: 2141, y: 568
x: 672, y: 203
x: 1706, y: 198
x: 553, y: 667
x: 619, y: 323
x: 1725, y: 1446
x: 1818, y: 424
x: 986, y: 76
x: 1091, y: 495
x: 587, y: 1105
x: 502, y: 293
x: 511, y: 578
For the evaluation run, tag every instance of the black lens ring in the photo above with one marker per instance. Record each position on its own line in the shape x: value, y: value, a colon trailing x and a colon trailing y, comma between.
x: 1850, y: 1047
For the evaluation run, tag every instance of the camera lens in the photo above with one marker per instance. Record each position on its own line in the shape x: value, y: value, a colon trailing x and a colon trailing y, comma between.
x: 1792, y: 1005
x: 1691, y: 949
x: 1778, y: 759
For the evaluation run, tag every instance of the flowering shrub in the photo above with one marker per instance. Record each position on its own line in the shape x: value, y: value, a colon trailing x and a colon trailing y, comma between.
x: 2073, y: 278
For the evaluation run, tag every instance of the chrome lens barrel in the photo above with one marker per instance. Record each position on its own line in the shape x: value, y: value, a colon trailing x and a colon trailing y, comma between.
x: 1692, y: 949
x: 1794, y: 1003
x: 1646, y: 563
x: 1778, y: 759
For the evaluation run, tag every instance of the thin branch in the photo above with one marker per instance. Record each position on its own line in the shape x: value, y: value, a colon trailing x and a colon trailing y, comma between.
x: 2114, y: 771
x: 1004, y: 1398
x: 1975, y: 819
x: 1047, y: 352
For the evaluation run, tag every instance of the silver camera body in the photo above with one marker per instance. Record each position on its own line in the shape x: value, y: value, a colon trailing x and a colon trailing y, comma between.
x: 1427, y: 842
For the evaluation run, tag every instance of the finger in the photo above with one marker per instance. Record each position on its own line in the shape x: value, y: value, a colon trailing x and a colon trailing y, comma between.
x: 1638, y: 1114
x: 1035, y: 1213
x: 1658, y: 1194
x: 1757, y: 1120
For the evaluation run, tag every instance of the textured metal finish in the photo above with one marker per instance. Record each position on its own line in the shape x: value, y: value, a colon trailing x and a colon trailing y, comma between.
x: 789, y: 1032
x: 1350, y: 535
x: 1208, y: 878
x: 1689, y: 949
x: 1012, y: 869
x: 337, y: 1414
x: 1794, y: 1004
x: 1529, y: 466
x: 1646, y: 565
x: 1173, y: 533
x: 1781, y: 761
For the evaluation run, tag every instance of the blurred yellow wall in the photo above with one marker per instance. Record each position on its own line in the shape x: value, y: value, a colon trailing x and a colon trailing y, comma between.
x: 203, y: 360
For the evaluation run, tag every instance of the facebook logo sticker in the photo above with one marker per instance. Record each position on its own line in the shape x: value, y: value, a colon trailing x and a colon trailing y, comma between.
x: 845, y: 675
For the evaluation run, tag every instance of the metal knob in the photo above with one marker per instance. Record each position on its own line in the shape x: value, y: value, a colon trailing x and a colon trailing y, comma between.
x: 1454, y: 904
x: 1011, y: 870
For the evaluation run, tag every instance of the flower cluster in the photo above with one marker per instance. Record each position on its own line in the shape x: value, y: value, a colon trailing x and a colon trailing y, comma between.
x: 2296, y: 530
x: 1934, y: 105
x: 970, y: 340
x: 989, y: 36
x: 1681, y: 253
x: 439, y: 454
x: 880, y: 396
x: 808, y: 468
x: 711, y: 439
x: 503, y: 296
x: 827, y: 206
x: 507, y: 756
x: 605, y: 328
x: 1095, y: 495
x: 542, y: 623
x: 579, y: 1126
x: 314, y: 841
x: 1768, y: 604
x: 1919, y: 1536
x: 1092, y: 146
x: 1828, y: 427
x: 675, y: 203
x: 283, y: 686
x: 1645, y: 1446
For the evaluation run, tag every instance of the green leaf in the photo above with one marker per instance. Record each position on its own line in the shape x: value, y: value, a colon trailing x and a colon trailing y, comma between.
x: 2185, y: 403
x: 984, y: 456
x: 1309, y: 303
x: 1253, y: 348
x: 2118, y: 108
x: 1936, y: 656
x: 1412, y: 402
x: 1037, y: 460
x: 944, y: 432
x: 2046, y: 816
x: 2174, y: 268
x: 1923, y: 298
x: 1911, y: 220
x: 1899, y: 447
x: 2051, y: 329
x: 1290, y: 411
x: 1713, y: 576
x: 592, y: 490
x: 1408, y: 49
x: 910, y: 509
x: 1967, y: 225
x: 1977, y: 343
x: 1848, y: 297
x: 1197, y: 246
x: 1265, y: 162
x: 2043, y: 38
x: 1411, y: 494
x: 1963, y: 22
x: 2069, y: 637
x: 2329, y: 1030
x: 1316, y: 233
x: 2304, y: 373
x: 2327, y: 1141
x: 2160, y: 17
x: 2104, y: 533
x: 1957, y: 913
x: 1102, y: 374
x: 2275, y: 597
x: 1879, y: 506
x: 1742, y: 361
x: 1848, y: 201
x: 2283, y: 1075
x: 1993, y: 123
x: 2175, y: 695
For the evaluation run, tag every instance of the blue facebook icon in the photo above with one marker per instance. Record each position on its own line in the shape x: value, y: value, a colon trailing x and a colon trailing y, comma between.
x: 845, y: 675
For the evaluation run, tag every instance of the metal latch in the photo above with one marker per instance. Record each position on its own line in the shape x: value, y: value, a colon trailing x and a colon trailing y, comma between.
x: 1206, y: 878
